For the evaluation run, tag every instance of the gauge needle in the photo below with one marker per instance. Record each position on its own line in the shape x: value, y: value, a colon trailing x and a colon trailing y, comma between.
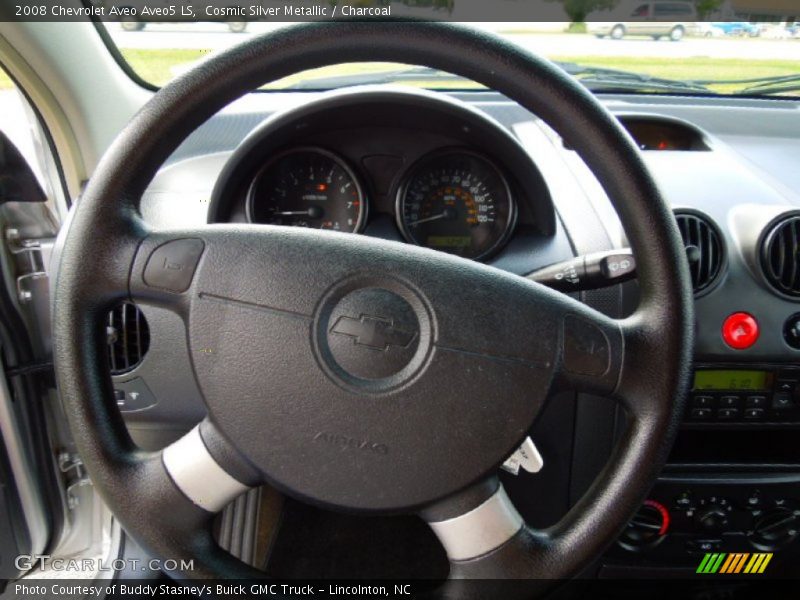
x: 314, y: 212
x: 426, y: 219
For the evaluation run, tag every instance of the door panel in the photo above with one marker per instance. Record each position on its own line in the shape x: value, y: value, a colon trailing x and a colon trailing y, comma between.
x: 15, y: 535
x: 25, y: 452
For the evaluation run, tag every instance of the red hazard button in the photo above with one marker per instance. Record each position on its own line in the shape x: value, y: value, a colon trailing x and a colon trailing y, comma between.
x: 740, y: 330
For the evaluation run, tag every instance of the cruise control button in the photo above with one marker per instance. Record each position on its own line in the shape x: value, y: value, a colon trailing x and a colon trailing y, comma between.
x: 171, y: 266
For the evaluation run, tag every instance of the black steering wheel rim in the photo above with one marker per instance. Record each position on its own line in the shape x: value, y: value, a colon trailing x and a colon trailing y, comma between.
x: 103, y: 254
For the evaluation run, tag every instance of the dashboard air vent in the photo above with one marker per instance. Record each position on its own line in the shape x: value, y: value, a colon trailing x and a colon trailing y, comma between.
x: 780, y: 256
x: 703, y: 249
x: 128, y: 338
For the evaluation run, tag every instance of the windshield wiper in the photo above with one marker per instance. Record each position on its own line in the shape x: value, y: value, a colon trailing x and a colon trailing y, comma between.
x: 770, y: 85
x: 775, y: 84
x: 604, y: 79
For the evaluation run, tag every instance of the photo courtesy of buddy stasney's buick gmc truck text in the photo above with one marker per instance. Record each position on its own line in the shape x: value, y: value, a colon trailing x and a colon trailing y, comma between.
x: 146, y: 590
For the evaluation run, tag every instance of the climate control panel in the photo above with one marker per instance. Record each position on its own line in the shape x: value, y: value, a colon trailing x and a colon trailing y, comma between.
x: 682, y: 521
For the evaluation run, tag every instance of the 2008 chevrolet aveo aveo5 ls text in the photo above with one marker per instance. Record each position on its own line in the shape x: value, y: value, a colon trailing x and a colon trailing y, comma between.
x: 399, y: 307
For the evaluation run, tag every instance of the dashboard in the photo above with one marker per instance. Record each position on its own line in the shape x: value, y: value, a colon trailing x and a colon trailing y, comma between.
x: 475, y: 175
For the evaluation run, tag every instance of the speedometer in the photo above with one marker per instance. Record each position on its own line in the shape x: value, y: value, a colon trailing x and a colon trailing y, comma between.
x: 457, y: 202
x: 307, y: 187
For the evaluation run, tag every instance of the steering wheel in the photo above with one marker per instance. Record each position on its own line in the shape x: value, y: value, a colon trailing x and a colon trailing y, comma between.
x: 359, y: 374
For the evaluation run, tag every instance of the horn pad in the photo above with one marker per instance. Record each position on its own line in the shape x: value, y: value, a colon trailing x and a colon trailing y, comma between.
x: 362, y: 375
x: 372, y: 335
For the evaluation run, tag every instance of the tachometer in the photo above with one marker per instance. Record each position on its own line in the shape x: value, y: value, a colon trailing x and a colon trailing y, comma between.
x: 457, y: 202
x: 307, y: 187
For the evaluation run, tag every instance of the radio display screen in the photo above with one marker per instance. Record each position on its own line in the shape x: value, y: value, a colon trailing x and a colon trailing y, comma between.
x: 733, y: 380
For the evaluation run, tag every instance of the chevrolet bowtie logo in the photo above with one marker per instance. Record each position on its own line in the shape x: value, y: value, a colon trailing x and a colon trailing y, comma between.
x: 373, y: 332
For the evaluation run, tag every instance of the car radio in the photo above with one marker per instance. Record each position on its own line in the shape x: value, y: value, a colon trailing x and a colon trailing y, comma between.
x: 760, y: 393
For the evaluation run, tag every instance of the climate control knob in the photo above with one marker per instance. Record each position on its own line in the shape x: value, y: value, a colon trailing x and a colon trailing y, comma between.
x: 775, y: 528
x: 712, y: 520
x: 647, y: 528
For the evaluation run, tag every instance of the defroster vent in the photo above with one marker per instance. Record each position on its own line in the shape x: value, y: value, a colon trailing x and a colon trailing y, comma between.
x: 704, y: 249
x: 780, y: 256
x: 128, y: 338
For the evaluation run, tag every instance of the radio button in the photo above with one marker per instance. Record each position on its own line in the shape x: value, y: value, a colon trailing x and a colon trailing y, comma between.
x: 754, y: 413
x: 702, y: 401
x: 729, y: 402
x: 727, y: 414
x: 701, y: 414
x: 756, y: 401
x: 781, y: 400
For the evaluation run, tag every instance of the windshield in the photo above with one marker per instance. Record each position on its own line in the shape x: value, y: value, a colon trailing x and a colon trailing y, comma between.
x: 746, y: 58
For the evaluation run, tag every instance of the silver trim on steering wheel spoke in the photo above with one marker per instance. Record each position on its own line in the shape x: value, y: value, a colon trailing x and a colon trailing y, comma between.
x: 198, y: 475
x: 480, y: 530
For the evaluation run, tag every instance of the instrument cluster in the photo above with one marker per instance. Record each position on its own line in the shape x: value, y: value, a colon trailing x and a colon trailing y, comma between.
x: 454, y: 200
x: 400, y: 165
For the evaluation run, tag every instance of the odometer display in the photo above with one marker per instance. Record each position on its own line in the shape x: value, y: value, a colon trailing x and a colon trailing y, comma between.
x: 307, y: 187
x: 457, y: 202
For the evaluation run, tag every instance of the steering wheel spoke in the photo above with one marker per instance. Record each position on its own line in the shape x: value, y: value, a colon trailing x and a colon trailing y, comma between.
x: 485, y: 538
x: 206, y: 469
x: 475, y: 521
x: 177, y: 493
